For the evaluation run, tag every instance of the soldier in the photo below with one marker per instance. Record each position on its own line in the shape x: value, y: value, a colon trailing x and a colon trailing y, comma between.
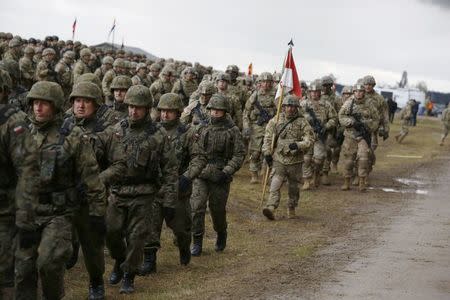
x: 196, y: 112
x: 188, y: 146
x: 152, y: 168
x: 445, y: 119
x: 234, y: 87
x: 17, y: 93
x: 45, y: 70
x: 186, y: 85
x: 141, y: 75
x: 14, y: 51
x: 37, y: 55
x: 17, y: 193
x: 304, y: 87
x: 258, y: 111
x: 64, y: 77
x: 119, y: 68
x: 27, y: 67
x: 153, y: 74
x: 235, y: 111
x: 119, y: 88
x: 360, y: 119
x: 107, y: 64
x: 67, y: 163
x: 89, y: 114
x: 82, y: 65
x: 323, y: 119
x: 225, y: 153
x: 92, y: 65
x: 161, y: 86
x: 405, y: 116
x: 285, y: 143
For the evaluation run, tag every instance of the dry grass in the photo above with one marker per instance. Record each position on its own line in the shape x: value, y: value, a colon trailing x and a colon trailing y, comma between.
x: 262, y: 255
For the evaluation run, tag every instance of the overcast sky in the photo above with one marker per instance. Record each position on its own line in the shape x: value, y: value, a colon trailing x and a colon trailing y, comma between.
x: 349, y: 38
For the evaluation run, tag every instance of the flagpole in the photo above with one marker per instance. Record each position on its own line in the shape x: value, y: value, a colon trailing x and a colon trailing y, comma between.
x: 114, y: 31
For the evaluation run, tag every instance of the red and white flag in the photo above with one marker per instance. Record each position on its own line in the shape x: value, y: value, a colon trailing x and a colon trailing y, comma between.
x: 289, y: 82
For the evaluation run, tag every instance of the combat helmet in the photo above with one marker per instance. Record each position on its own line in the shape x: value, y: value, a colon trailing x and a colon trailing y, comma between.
x: 170, y: 101
x: 290, y: 100
x: 369, y: 80
x: 138, y: 95
x: 48, y: 91
x: 87, y: 90
x: 121, y: 82
x: 218, y: 102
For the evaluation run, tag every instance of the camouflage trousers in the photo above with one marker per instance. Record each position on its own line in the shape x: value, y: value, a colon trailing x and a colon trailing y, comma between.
x: 46, y: 259
x: 332, y: 149
x: 280, y: 172
x: 314, y: 159
x: 126, y: 229
x: 445, y: 129
x: 180, y: 225
x: 92, y: 244
x: 255, y: 146
x: 213, y: 194
x: 404, y: 131
x: 7, y: 233
x: 356, y: 152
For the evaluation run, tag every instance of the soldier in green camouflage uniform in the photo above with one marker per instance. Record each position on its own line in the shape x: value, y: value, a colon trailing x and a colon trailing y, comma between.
x: 141, y: 75
x: 17, y: 193
x: 107, y: 64
x: 225, y: 153
x: 187, y: 142
x: 119, y: 68
x: 82, y: 65
x: 14, y: 51
x: 290, y: 137
x: 119, y: 88
x: 234, y: 87
x: 153, y: 72
x: 360, y: 119
x: 196, y: 112
x: 405, y: 117
x: 45, y: 69
x: 67, y: 165
x: 235, y: 111
x: 323, y: 119
x: 163, y: 85
x: 64, y: 77
x: 89, y: 114
x: 152, y: 168
x: 186, y: 85
x: 258, y: 111
x: 27, y: 67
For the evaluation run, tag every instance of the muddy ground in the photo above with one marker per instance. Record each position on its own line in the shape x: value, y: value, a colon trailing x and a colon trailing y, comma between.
x: 299, y: 258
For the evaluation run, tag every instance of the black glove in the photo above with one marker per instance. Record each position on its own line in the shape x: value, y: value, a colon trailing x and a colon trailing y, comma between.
x: 293, y: 146
x: 97, y: 224
x: 169, y: 213
x: 268, y: 159
x: 184, y: 183
x: 28, y: 238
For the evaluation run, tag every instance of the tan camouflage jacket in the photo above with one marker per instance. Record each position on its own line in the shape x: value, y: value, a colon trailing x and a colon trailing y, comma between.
x: 195, y: 113
x: 185, y: 89
x: 252, y: 113
x: 323, y: 110
x: 351, y: 108
x: 106, y: 84
x: 159, y: 88
x: 45, y: 71
x: 382, y: 108
x: 79, y: 69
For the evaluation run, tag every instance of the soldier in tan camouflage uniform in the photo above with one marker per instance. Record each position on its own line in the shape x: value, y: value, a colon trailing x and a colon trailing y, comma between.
x: 225, y: 153
x: 67, y: 164
x: 14, y: 51
x: 186, y: 85
x: 323, y: 119
x: 119, y: 68
x: 290, y: 137
x: 405, y: 117
x: 222, y: 83
x: 258, y: 111
x: 45, y: 70
x: 445, y: 119
x: 152, y: 168
x: 107, y: 64
x: 27, y: 67
x: 64, y: 77
x: 82, y: 65
x: 360, y: 119
x: 141, y: 75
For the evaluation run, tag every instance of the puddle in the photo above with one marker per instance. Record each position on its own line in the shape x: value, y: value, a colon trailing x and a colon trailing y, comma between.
x: 409, y: 181
x: 401, y: 191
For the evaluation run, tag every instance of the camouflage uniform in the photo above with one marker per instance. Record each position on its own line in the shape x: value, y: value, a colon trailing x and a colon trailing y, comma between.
x: 234, y: 87
x: 152, y: 168
x: 185, y: 87
x: 405, y: 116
x: 445, y: 123
x: 234, y: 103
x: 67, y: 165
x: 45, y: 70
x: 101, y: 71
x: 81, y: 66
x: 160, y: 87
x: 187, y: 142
x: 14, y: 50
x: 326, y: 117
x: 355, y: 148
x: 119, y: 110
x: 293, y: 137
x: 27, y: 68
x: 225, y: 152
x: 196, y: 112
x: 64, y: 77
x: 119, y: 64
x: 111, y: 160
x: 258, y: 111
x: 138, y: 79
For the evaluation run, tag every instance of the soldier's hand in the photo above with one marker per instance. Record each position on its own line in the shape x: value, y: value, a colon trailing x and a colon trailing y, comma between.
x: 293, y: 146
x: 28, y: 238
x: 169, y: 213
x: 224, y: 177
x: 97, y: 224
x: 269, y: 160
x: 184, y: 183
x: 246, y: 132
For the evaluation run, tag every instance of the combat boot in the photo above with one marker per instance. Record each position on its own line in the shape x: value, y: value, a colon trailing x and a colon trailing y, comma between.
x: 307, y: 184
x: 324, y: 179
x: 269, y: 212
x: 291, y: 212
x: 185, y: 256
x: 346, y: 185
x: 116, y: 274
x: 362, y: 184
x: 221, y: 241
x: 96, y: 290
x: 127, y: 284
x: 355, y: 181
x: 254, y: 178
x: 197, y: 245
x: 149, y: 264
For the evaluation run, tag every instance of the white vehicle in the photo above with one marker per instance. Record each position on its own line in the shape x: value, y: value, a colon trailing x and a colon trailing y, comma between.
x: 402, y: 95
